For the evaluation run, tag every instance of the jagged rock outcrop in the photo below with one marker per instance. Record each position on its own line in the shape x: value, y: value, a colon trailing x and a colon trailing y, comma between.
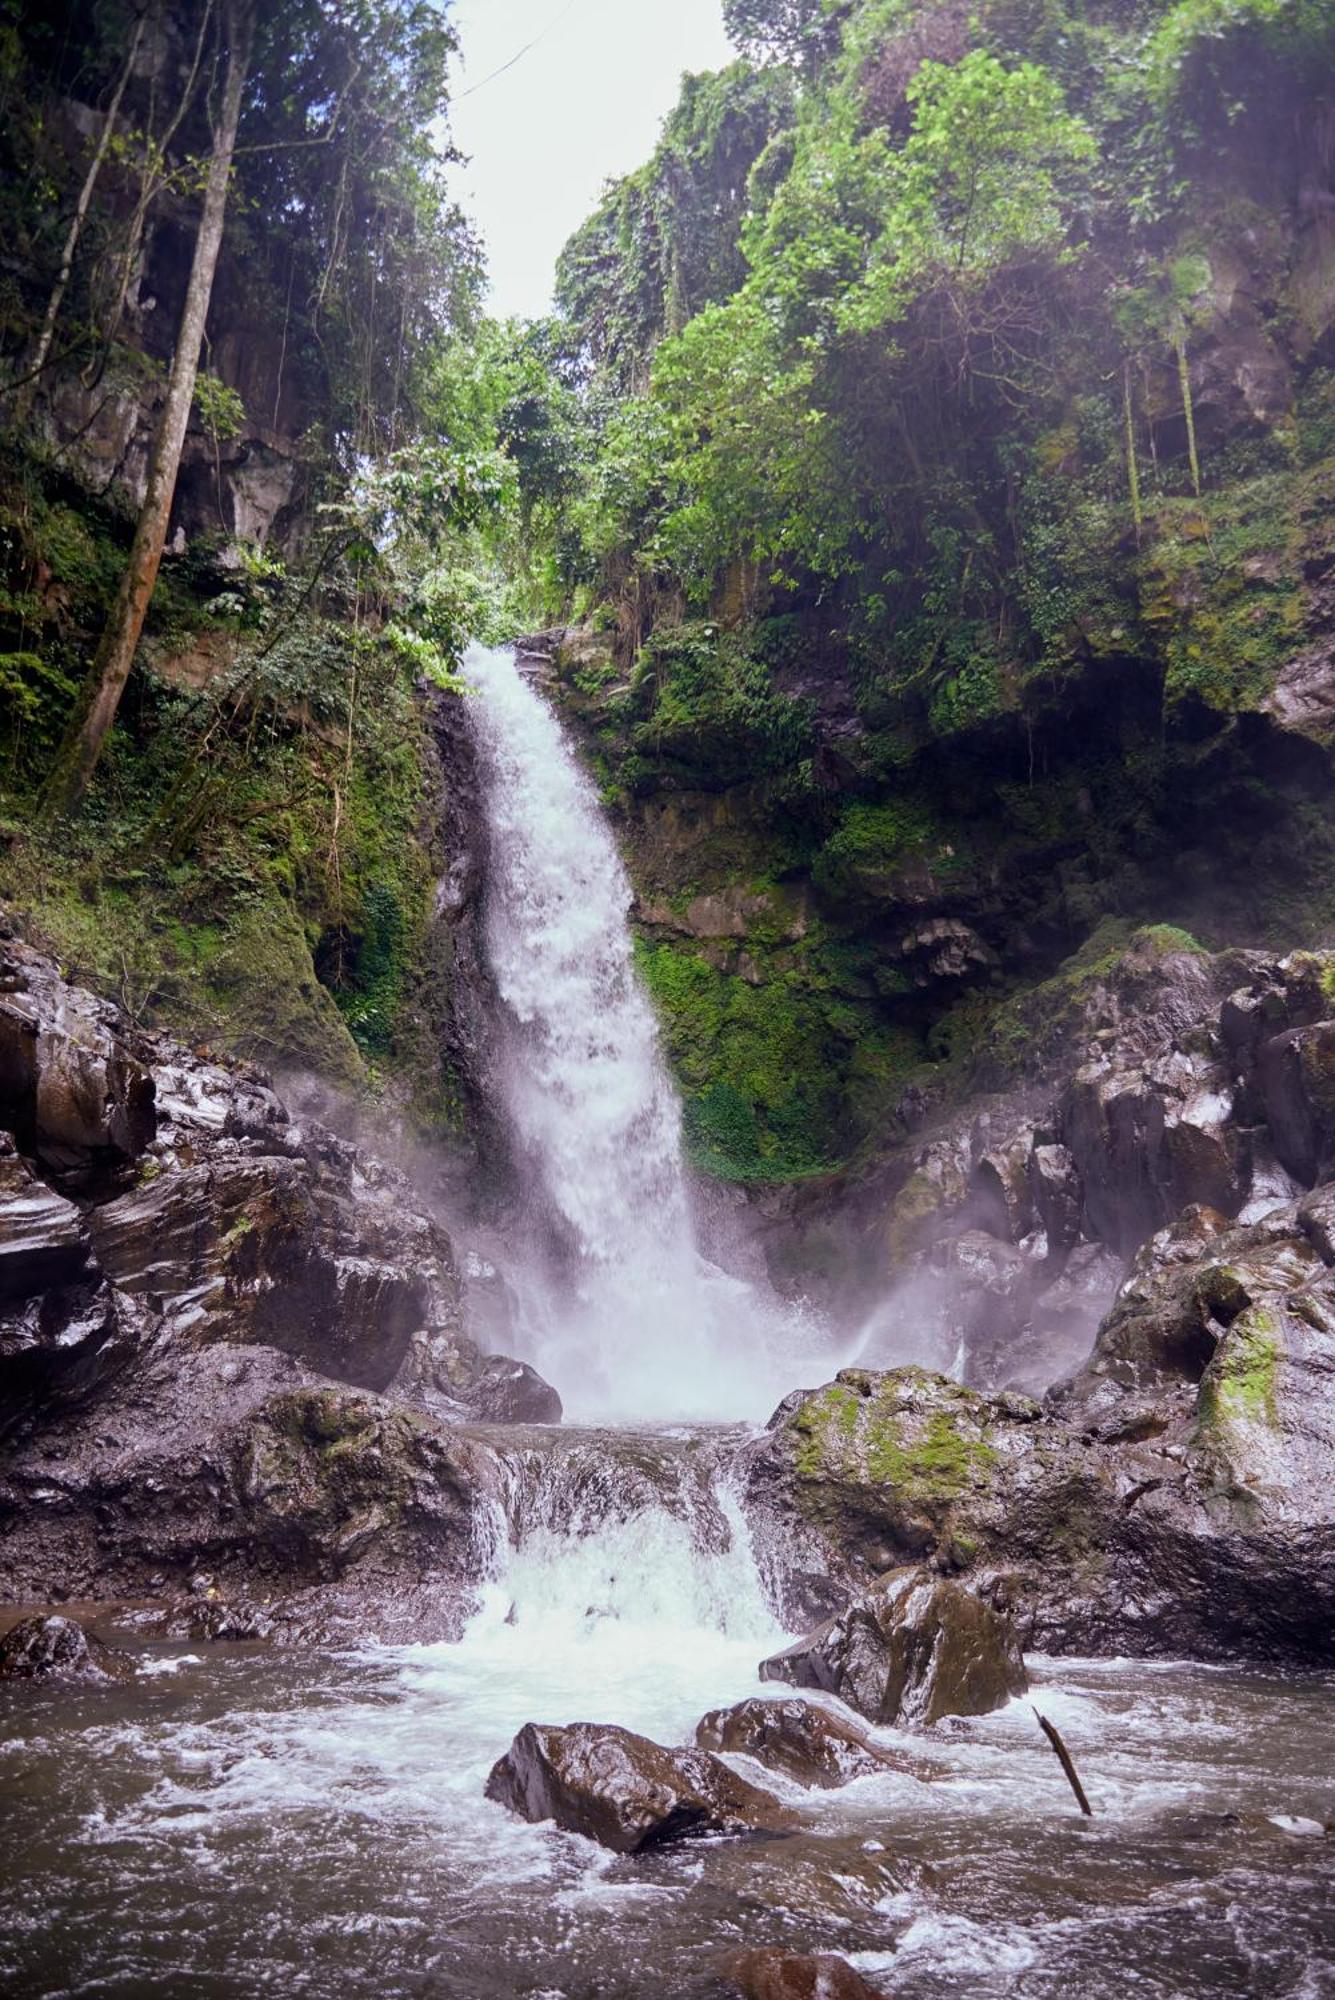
x: 626, y: 1792
x: 913, y: 1648
x: 1176, y: 1081
x: 192, y: 1286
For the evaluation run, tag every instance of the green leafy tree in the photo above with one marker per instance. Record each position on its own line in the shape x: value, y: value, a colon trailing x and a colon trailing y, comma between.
x: 665, y: 242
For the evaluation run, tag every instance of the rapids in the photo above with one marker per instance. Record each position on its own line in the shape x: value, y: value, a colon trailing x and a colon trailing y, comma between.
x: 236, y: 1822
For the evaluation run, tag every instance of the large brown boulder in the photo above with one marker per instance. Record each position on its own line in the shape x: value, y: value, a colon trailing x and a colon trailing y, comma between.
x: 626, y: 1792
x: 912, y: 1649
x: 796, y: 1738
x: 787, y: 1975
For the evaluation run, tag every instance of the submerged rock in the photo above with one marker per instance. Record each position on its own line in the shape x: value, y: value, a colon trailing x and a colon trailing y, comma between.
x: 804, y: 1742
x: 52, y: 1648
x: 626, y: 1792
x: 910, y: 1650
x: 786, y: 1975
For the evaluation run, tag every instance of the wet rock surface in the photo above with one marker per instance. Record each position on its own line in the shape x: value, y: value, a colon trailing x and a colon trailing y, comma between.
x: 796, y: 1738
x: 910, y: 1650
x: 786, y: 1975
x: 1194, y: 1521
x: 626, y: 1792
x: 52, y: 1648
x: 229, y: 1343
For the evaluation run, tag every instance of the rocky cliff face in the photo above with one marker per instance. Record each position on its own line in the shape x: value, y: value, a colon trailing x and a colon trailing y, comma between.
x: 1173, y: 1491
x: 231, y: 1345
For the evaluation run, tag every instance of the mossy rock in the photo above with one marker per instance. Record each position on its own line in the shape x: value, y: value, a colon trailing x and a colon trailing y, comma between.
x: 271, y: 1008
x: 926, y: 1438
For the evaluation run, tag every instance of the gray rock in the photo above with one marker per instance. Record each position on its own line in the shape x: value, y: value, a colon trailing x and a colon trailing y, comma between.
x: 1296, y: 1081
x: 626, y: 1792
x: 73, y: 1094
x: 510, y: 1392
x: 43, y: 1242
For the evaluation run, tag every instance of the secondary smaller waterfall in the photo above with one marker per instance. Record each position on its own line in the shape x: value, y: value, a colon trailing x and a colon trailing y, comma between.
x: 638, y: 1324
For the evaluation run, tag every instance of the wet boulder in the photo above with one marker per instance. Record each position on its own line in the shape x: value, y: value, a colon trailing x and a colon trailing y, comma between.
x: 1295, y: 1077
x: 1185, y: 1291
x: 327, y: 1482
x: 298, y: 1254
x: 795, y: 1738
x: 1188, y: 1518
x: 73, y: 1093
x: 510, y: 1392
x: 51, y: 1648
x: 1147, y: 1140
x: 61, y: 1344
x: 787, y: 1975
x: 43, y: 1241
x: 1265, y: 1409
x: 913, y: 1648
x: 625, y: 1791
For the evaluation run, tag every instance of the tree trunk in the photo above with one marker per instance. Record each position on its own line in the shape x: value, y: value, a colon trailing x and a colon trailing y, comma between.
x: 57, y: 298
x: 78, y: 755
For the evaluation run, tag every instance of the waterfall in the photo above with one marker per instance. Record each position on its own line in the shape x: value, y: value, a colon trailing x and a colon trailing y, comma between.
x: 621, y: 1311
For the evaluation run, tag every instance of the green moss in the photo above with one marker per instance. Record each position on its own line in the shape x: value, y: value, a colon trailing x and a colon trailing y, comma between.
x: 703, y: 703
x: 270, y: 1006
x: 1221, y: 590
x: 926, y: 1458
x: 1241, y: 1384
x: 939, y: 1463
x: 1031, y: 1022
x: 876, y: 843
x: 760, y: 1100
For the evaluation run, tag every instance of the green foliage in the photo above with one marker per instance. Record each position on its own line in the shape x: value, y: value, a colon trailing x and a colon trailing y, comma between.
x: 666, y: 241
x: 793, y: 31
x: 1195, y: 34
x: 875, y: 844
x: 218, y: 407
x: 988, y: 174
x: 710, y: 705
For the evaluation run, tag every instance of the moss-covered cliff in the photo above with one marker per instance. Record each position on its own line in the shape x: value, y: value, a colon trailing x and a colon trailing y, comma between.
x: 961, y: 585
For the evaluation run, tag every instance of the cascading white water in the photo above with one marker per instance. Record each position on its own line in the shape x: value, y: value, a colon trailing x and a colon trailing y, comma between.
x: 648, y: 1328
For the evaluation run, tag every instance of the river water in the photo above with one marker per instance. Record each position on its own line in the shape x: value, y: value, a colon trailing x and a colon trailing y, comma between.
x: 238, y: 1822
x: 234, y: 1821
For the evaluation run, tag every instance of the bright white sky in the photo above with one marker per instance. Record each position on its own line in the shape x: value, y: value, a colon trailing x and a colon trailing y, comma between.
x: 583, y: 105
